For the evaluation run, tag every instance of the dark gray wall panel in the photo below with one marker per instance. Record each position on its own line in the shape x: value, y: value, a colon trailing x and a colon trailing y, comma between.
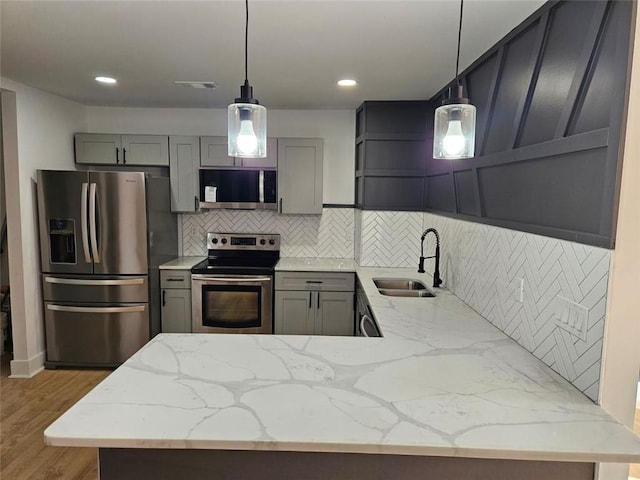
x: 466, y: 192
x: 439, y: 193
x: 395, y: 117
x: 595, y: 108
x: 558, y: 191
x: 479, y: 83
x: 514, y: 83
x: 553, y: 96
x: 393, y: 193
x: 395, y: 154
x: 567, y: 34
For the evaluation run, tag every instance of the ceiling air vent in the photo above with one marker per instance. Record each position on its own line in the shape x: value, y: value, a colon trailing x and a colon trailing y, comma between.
x: 195, y: 84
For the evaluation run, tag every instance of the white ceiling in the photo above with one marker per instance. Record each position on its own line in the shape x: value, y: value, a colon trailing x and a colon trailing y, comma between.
x: 397, y: 50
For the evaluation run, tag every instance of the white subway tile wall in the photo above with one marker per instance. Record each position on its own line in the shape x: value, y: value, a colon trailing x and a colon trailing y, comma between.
x: 329, y: 235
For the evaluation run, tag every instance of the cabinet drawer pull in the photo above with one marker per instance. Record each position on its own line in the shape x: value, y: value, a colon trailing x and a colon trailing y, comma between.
x: 314, y: 281
x: 175, y: 279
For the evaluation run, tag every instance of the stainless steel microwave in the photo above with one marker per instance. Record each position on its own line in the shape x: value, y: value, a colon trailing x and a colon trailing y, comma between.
x: 241, y: 189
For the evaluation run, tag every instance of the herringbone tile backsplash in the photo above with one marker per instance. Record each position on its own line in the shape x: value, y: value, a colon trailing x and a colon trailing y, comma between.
x: 481, y: 264
x: 329, y: 235
x: 484, y: 265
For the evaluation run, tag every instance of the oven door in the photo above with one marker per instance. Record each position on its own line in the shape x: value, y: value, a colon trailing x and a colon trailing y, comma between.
x: 232, y: 303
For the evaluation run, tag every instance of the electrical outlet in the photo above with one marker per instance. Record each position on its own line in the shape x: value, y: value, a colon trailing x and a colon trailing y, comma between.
x: 572, y: 317
x: 519, y: 289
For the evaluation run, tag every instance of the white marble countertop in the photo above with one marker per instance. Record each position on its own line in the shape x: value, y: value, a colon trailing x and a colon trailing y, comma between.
x: 316, y: 264
x: 442, y: 381
x: 181, y: 263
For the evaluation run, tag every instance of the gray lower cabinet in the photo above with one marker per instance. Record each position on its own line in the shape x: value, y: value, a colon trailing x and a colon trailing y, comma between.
x: 184, y: 161
x: 300, y: 175
x: 214, y: 153
x: 175, y: 301
x: 115, y: 149
x: 314, y: 303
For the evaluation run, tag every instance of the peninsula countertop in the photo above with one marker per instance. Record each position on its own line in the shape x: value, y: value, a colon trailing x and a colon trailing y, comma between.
x: 442, y: 381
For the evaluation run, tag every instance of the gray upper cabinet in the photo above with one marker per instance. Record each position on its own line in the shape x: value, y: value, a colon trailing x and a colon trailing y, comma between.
x: 145, y: 150
x: 300, y: 175
x: 98, y: 148
x: 114, y: 149
x: 184, y: 161
x: 214, y: 154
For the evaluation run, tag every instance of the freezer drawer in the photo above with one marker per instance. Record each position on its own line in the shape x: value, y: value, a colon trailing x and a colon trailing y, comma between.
x: 95, y: 289
x: 94, y: 335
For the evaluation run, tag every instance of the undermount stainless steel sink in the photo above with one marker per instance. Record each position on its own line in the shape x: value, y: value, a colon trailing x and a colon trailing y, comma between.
x: 399, y: 284
x: 402, y: 287
x: 405, y: 293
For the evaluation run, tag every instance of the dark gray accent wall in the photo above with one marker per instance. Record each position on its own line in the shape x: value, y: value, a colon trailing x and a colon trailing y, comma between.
x: 550, y: 101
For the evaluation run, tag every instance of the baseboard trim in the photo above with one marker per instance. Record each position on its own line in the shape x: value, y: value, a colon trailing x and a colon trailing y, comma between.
x: 27, y: 368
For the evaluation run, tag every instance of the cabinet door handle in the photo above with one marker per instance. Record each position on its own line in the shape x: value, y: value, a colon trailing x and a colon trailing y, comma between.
x: 318, y: 300
x: 309, y: 299
x: 117, y: 155
x: 195, y: 202
x: 164, y: 297
x: 124, y: 156
x: 281, y: 205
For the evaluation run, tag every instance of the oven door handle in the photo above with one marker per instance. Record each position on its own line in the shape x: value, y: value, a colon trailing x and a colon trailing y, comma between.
x: 209, y: 278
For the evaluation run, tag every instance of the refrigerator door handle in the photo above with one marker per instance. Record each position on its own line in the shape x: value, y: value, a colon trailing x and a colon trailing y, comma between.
x: 261, y: 186
x: 75, y: 281
x: 92, y: 223
x: 67, y: 308
x: 83, y: 222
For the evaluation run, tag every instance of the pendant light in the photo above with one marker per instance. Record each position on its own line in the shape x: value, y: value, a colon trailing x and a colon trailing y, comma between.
x: 455, y: 121
x: 247, y: 119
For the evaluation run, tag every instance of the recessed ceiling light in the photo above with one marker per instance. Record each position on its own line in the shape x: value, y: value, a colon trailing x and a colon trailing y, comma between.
x: 105, y: 80
x: 347, y: 82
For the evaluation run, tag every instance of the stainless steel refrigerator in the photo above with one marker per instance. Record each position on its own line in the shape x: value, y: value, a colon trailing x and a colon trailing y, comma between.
x: 102, y: 236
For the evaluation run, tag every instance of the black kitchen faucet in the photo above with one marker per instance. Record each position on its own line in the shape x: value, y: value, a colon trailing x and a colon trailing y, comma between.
x: 436, y: 274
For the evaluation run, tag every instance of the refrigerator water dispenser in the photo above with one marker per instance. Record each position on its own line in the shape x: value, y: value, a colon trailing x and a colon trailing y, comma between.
x: 62, y: 240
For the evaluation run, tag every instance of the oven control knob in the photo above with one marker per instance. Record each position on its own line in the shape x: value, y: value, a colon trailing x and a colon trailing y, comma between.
x: 214, y: 241
x: 263, y: 241
x: 272, y: 242
x: 224, y: 241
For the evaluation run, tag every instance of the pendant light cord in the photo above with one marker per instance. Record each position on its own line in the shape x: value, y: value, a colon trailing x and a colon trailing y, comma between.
x: 246, y: 43
x: 459, y: 36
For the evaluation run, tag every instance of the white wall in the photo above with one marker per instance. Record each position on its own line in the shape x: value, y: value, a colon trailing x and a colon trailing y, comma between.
x: 621, y: 356
x: 337, y: 127
x: 45, y: 127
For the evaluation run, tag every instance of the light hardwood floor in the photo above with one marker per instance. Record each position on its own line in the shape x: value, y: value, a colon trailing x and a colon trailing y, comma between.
x: 27, y: 407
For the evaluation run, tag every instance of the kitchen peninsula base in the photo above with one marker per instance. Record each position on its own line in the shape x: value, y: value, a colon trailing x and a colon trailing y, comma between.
x: 165, y: 464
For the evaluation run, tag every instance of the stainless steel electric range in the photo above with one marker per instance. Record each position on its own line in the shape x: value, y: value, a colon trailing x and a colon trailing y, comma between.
x: 232, y: 290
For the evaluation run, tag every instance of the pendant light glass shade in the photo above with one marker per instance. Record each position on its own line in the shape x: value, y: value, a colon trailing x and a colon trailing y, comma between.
x: 246, y: 118
x: 247, y: 123
x: 454, y: 128
x: 454, y: 131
